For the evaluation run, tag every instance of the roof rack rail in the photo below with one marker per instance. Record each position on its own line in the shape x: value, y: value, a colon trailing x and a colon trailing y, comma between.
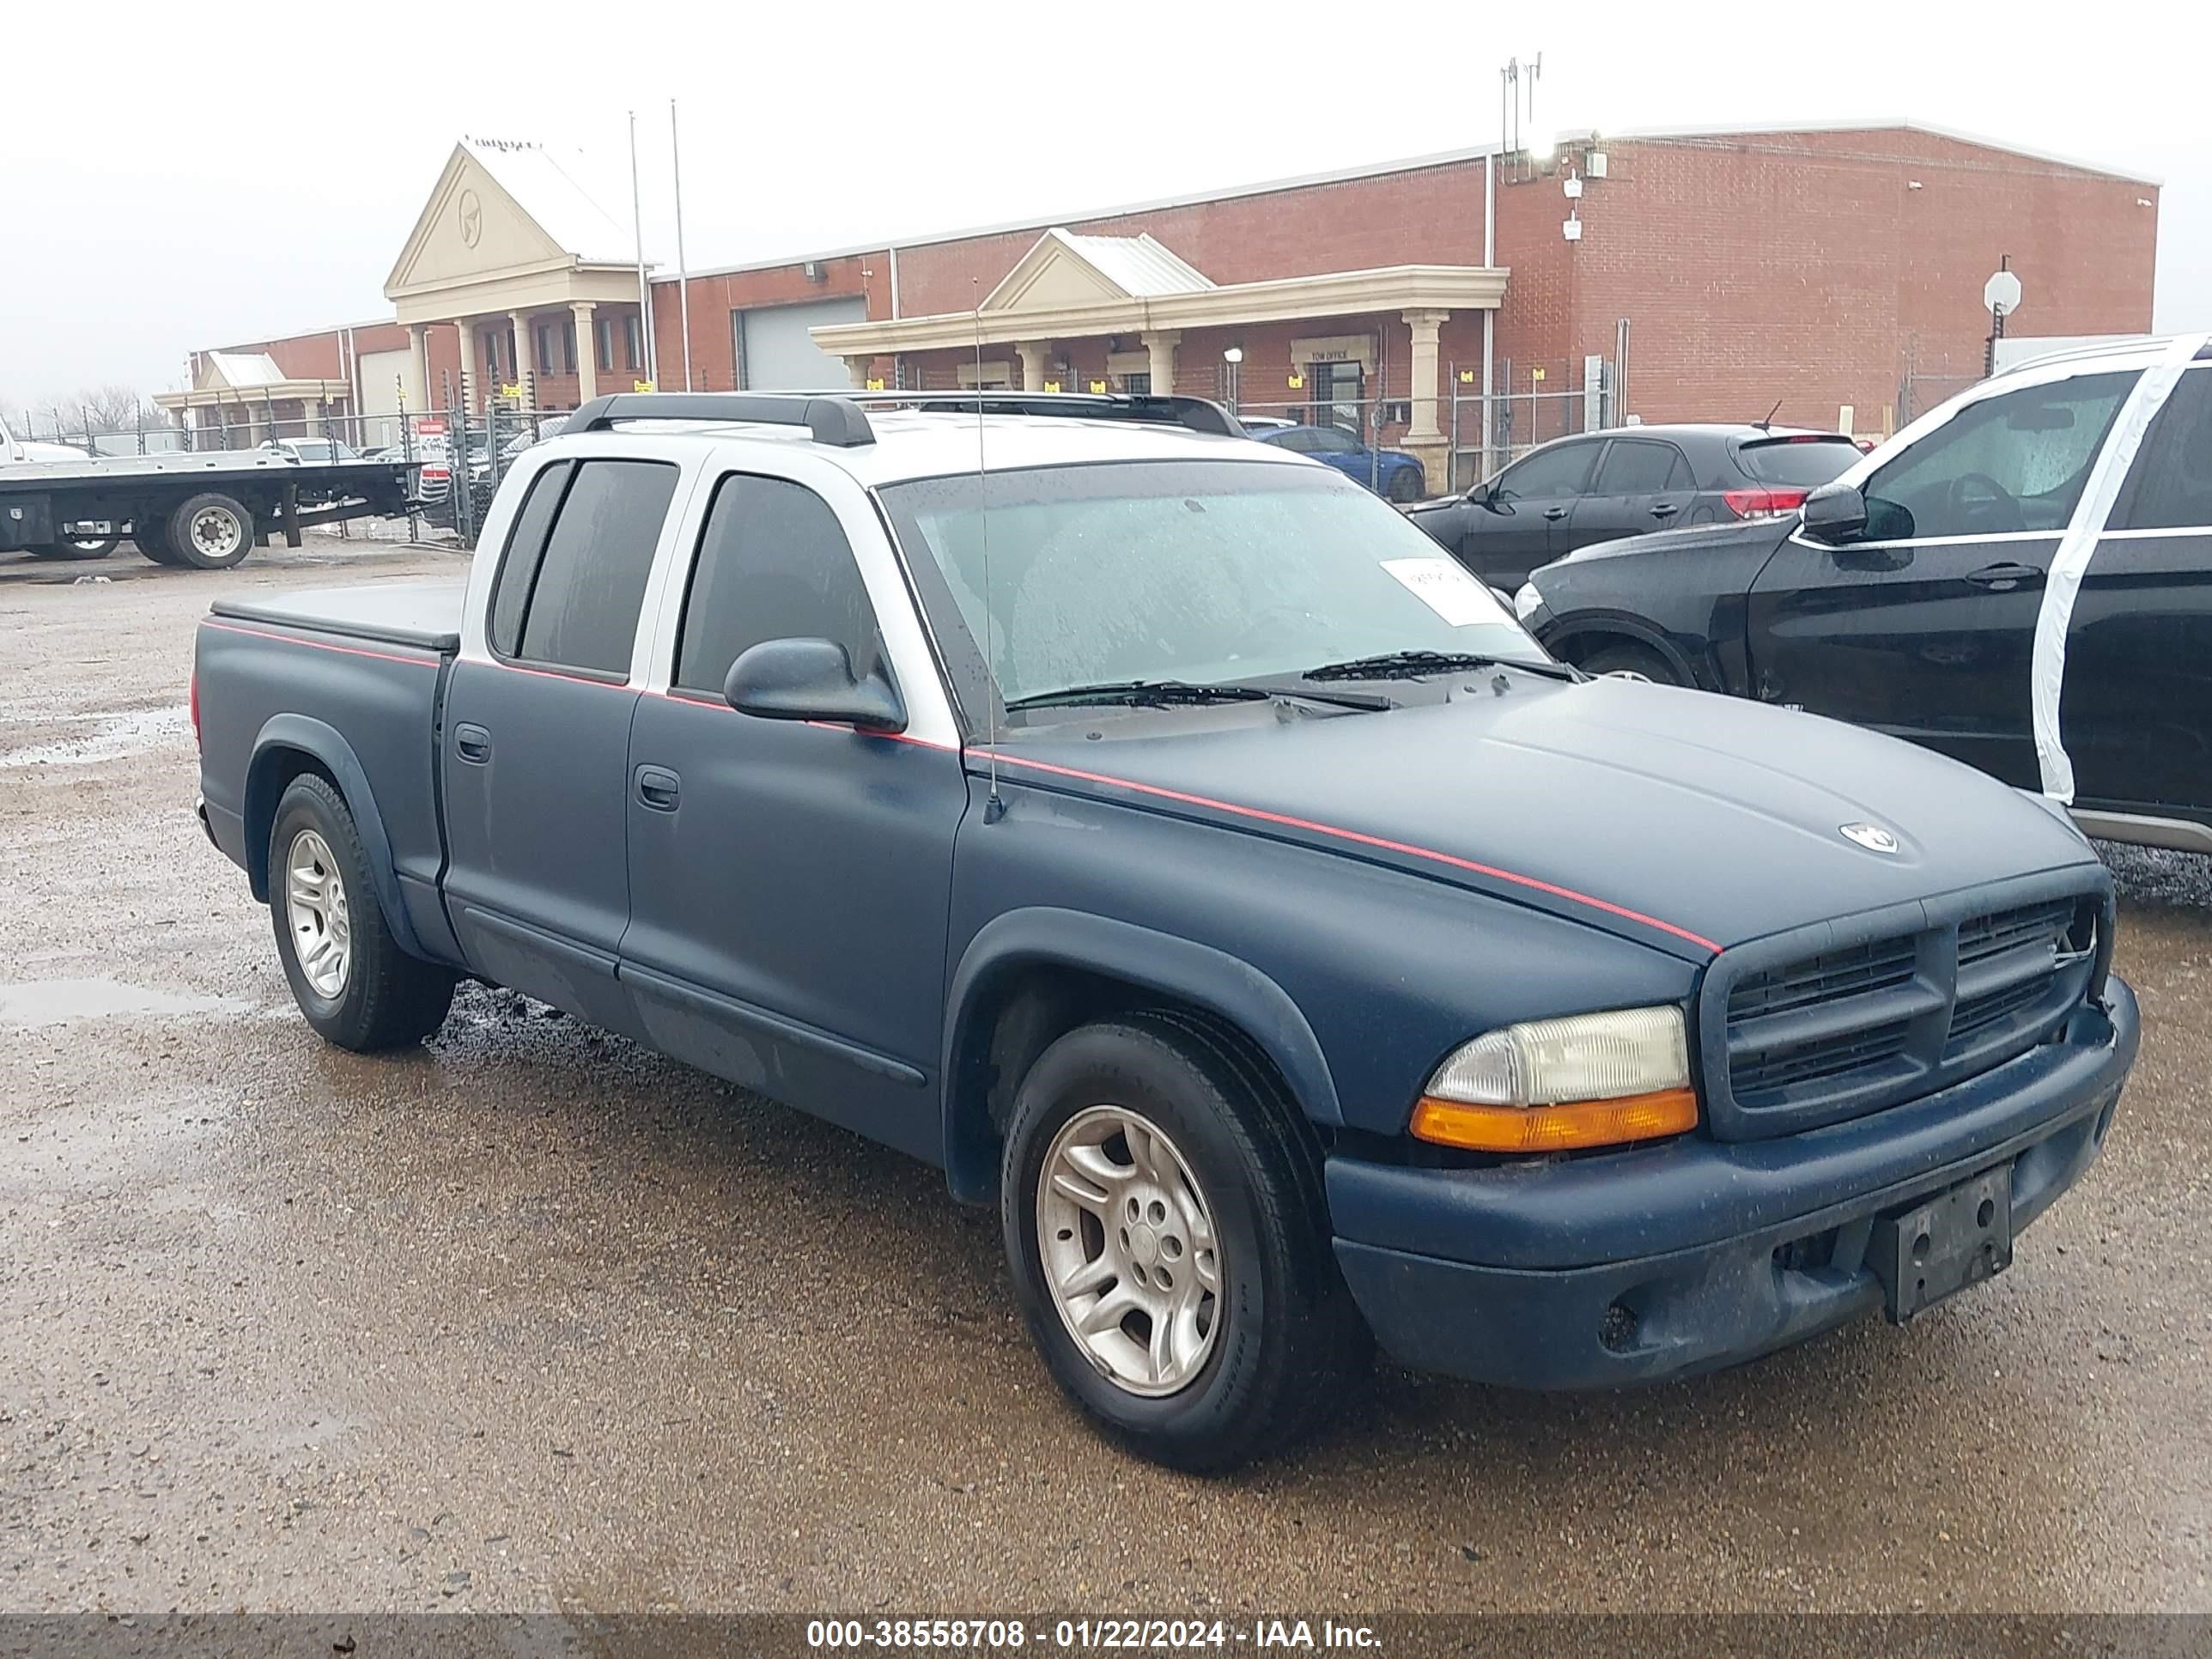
x: 830, y: 420
x: 838, y: 417
x: 1197, y: 414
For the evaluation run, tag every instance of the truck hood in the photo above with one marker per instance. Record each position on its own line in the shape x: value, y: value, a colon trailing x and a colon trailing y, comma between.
x: 1688, y: 822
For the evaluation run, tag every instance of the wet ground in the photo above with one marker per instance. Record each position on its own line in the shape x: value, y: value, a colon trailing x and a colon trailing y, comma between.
x: 532, y: 1319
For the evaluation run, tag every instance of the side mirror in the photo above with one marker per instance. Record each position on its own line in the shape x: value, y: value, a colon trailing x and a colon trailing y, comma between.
x: 1835, y: 513
x: 811, y: 680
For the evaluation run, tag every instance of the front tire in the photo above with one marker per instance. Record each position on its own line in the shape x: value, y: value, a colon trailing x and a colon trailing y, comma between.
x: 1169, y: 1245
x: 354, y: 983
x: 1632, y: 662
x: 212, y: 531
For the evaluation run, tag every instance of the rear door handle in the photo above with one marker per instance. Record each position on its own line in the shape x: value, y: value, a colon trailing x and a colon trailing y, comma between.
x: 2003, y: 578
x: 1665, y: 510
x: 1555, y: 514
x: 659, y: 788
x: 472, y: 743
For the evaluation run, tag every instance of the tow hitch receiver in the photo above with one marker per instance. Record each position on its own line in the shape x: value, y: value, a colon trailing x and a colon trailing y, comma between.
x: 1943, y: 1245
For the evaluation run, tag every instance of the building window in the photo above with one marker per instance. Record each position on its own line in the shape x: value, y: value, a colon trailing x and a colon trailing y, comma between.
x: 606, y: 344
x: 546, y: 359
x: 1137, y: 386
x: 633, y: 343
x: 568, y: 345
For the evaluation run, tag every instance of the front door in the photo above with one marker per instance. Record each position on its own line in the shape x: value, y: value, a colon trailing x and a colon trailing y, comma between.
x: 536, y: 738
x: 1523, y: 521
x: 2136, y: 715
x: 789, y: 882
x: 1642, y: 485
x: 1924, y: 626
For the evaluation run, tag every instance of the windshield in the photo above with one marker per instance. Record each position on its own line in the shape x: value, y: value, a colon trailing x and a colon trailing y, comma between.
x: 1198, y: 571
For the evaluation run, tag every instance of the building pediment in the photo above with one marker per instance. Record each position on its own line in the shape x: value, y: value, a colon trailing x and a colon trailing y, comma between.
x: 1063, y: 269
x: 470, y: 230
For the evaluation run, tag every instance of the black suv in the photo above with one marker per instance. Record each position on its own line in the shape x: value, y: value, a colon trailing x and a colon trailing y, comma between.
x: 2021, y: 579
x: 1602, y: 485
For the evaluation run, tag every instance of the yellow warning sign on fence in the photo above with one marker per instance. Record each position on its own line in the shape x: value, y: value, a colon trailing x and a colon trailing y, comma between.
x: 1296, y: 382
x: 641, y: 385
x: 1098, y: 385
x: 876, y: 383
x: 510, y: 390
x: 1466, y: 377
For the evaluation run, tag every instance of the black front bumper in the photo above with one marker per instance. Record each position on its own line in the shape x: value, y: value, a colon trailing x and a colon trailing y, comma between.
x: 1641, y: 1265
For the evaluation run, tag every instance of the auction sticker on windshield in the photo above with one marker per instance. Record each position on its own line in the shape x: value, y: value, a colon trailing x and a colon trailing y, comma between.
x: 1445, y: 587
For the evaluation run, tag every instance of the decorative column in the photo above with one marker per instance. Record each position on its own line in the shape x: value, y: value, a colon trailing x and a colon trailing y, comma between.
x: 418, y: 365
x: 1424, y: 439
x: 587, y: 351
x: 524, y: 356
x: 1034, y: 355
x: 1160, y: 348
x: 856, y: 370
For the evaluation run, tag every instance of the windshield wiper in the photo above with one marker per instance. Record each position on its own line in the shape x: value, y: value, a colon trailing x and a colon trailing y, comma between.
x: 1156, y: 694
x: 1402, y: 665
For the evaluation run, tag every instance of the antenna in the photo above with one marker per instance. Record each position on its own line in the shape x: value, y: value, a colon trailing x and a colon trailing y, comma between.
x: 993, y: 808
x: 1767, y: 424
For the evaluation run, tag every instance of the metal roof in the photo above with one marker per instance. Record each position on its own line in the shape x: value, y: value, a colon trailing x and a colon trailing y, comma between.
x: 545, y: 184
x: 245, y: 368
x: 1140, y: 266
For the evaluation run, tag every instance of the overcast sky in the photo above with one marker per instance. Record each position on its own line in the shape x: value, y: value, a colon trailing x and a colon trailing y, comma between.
x: 181, y: 175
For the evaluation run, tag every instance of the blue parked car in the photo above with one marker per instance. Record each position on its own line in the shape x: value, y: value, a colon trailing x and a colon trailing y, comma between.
x: 1191, y: 858
x: 1392, y: 473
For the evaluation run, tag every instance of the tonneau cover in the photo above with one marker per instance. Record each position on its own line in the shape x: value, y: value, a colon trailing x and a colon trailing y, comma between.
x: 424, y: 614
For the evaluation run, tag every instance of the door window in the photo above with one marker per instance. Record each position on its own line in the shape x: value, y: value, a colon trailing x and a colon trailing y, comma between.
x: 2170, y: 486
x: 1563, y: 469
x: 773, y: 564
x: 2009, y: 464
x: 1637, y: 466
x: 572, y: 601
x: 1328, y: 440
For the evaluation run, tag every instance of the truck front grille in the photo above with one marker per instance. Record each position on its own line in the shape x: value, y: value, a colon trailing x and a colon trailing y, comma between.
x: 1813, y: 1037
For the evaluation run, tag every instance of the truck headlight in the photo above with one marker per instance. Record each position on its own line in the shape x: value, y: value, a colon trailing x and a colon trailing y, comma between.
x: 1526, y: 601
x: 1553, y: 1085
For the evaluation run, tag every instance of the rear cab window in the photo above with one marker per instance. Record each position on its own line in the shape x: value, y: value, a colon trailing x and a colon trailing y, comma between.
x: 575, y: 573
x: 2170, y: 486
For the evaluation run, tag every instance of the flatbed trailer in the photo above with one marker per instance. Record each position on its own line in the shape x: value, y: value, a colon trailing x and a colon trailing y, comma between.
x: 207, y: 511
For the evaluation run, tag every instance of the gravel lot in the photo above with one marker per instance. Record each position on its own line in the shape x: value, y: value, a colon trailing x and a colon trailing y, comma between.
x: 534, y: 1320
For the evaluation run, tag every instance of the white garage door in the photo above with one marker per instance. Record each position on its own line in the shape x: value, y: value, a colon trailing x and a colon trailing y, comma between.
x: 777, y: 352
x: 381, y: 374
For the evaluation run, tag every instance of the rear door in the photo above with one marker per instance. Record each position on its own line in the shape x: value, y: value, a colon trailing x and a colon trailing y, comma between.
x: 789, y: 881
x: 1642, y: 485
x: 2136, y: 714
x: 537, y: 735
x: 1924, y: 626
x: 1523, y: 523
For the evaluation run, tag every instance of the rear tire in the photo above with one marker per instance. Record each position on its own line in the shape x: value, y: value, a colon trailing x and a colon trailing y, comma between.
x: 212, y: 531
x: 151, y: 537
x: 1626, y: 661
x: 354, y: 983
x: 1228, y: 1201
x: 98, y: 548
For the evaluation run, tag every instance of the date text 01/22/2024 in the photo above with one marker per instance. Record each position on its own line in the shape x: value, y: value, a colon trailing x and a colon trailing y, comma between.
x: 1086, y: 1635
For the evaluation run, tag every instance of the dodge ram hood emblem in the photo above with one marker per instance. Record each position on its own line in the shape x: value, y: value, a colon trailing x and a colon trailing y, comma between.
x: 1872, y: 836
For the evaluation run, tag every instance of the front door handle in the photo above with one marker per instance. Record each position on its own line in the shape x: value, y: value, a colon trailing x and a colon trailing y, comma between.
x: 1555, y: 514
x: 1665, y: 510
x: 659, y: 788
x: 2005, y: 577
x: 472, y: 743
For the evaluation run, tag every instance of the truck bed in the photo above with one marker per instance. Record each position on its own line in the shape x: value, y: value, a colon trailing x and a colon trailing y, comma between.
x: 425, y: 615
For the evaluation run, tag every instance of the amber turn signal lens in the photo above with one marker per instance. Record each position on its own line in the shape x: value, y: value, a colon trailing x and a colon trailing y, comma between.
x: 1562, y: 1128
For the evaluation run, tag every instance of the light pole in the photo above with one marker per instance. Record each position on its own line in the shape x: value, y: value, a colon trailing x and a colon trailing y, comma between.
x: 1230, y: 359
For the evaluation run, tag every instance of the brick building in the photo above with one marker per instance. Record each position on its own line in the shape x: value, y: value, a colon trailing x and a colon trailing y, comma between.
x: 1667, y: 276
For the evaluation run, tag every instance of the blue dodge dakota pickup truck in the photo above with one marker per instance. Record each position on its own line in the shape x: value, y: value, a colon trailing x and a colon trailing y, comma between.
x: 1155, y: 830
